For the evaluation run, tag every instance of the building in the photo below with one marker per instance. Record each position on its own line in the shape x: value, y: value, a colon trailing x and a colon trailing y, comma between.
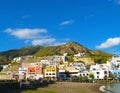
x: 35, y: 72
x: 51, y: 72
x: 62, y: 73
x: 73, y: 71
x: 101, y: 74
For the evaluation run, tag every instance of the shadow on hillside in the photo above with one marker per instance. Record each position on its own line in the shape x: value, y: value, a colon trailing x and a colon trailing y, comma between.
x: 7, y: 86
x: 1, y: 68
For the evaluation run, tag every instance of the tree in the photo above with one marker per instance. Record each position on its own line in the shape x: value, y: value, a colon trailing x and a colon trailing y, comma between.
x: 91, y: 76
x: 83, y: 79
x: 111, y: 76
x: 70, y: 59
x: 105, y: 78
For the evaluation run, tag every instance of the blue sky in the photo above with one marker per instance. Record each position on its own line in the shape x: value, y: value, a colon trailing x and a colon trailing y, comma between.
x: 93, y: 23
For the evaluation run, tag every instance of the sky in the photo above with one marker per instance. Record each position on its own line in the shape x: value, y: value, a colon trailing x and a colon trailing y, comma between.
x: 94, y: 24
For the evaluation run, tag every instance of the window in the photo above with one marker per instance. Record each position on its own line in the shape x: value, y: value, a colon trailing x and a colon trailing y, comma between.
x: 109, y: 72
x: 105, y: 72
x: 97, y: 72
x: 97, y: 76
x: 53, y: 73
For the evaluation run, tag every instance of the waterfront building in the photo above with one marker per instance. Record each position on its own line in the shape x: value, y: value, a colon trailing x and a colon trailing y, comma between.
x: 35, y: 72
x: 51, y: 72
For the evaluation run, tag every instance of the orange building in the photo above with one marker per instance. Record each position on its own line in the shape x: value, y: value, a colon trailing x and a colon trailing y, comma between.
x: 35, y: 71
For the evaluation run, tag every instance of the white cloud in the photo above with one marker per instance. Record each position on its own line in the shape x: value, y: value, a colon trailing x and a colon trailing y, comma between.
x: 35, y: 36
x: 47, y: 41
x: 59, y: 43
x: 109, y: 43
x: 68, y: 22
x: 26, y: 41
x: 25, y: 33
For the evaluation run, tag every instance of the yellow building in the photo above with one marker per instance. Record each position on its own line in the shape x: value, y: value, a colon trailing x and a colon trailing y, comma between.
x: 51, y: 72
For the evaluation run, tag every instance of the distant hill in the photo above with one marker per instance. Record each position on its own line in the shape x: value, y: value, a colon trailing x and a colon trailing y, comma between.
x: 70, y: 48
x: 7, y: 56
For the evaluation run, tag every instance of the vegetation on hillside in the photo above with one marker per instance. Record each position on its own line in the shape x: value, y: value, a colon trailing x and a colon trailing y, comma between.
x: 70, y: 48
x: 7, y: 56
x: 100, y: 57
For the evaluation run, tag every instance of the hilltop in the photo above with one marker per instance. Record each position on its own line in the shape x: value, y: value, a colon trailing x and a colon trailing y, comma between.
x: 70, y: 48
x: 7, y: 56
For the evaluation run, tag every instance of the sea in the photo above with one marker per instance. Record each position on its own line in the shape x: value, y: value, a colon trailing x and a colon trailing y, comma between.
x: 113, y: 87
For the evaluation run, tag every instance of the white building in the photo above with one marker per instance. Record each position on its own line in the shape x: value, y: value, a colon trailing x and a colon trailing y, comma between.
x: 84, y: 73
x: 22, y: 71
x: 101, y: 74
x: 17, y: 59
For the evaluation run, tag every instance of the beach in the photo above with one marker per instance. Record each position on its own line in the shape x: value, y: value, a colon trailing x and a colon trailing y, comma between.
x: 56, y: 87
x: 68, y: 87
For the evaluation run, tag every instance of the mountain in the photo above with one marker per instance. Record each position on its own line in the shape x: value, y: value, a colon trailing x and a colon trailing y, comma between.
x: 7, y: 56
x: 70, y: 48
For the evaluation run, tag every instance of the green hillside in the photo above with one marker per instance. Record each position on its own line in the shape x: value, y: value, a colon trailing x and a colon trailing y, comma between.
x: 73, y: 48
x: 70, y: 48
x: 99, y: 56
x: 7, y: 56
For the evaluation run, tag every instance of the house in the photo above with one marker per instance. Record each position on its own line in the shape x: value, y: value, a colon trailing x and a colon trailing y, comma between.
x: 22, y: 72
x: 84, y: 73
x: 51, y: 72
x: 101, y: 74
x: 35, y: 72
x: 115, y: 73
x: 115, y: 61
x: 78, y: 65
x: 100, y: 71
x: 62, y: 73
x: 80, y: 54
x: 17, y: 59
x: 73, y: 71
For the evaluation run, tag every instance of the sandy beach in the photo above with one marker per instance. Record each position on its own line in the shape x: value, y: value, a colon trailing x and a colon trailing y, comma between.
x: 70, y: 87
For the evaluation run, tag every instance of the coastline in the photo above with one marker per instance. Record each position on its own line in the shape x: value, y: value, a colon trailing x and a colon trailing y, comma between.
x: 104, y: 89
x: 61, y: 87
x: 72, y: 87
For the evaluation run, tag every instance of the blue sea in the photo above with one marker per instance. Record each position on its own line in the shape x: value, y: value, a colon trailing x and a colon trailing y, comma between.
x: 114, y: 87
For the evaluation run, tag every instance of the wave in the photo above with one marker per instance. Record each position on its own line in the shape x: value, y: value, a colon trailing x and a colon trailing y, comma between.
x: 104, y: 89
